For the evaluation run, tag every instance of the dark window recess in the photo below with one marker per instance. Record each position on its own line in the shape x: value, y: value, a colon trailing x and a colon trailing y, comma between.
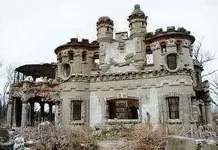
x: 178, y: 46
x: 76, y: 110
x: 163, y: 48
x: 123, y: 109
x: 108, y: 29
x: 60, y: 58
x: 70, y: 55
x: 172, y: 61
x: 84, y: 56
x: 173, y: 104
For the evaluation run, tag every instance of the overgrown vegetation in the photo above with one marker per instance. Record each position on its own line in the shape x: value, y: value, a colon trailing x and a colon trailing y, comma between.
x: 50, y: 137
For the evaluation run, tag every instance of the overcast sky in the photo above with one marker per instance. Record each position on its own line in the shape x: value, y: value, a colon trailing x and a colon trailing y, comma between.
x: 30, y: 30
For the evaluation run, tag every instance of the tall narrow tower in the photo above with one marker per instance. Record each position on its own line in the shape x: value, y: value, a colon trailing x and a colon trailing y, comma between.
x: 105, y: 29
x: 137, y: 22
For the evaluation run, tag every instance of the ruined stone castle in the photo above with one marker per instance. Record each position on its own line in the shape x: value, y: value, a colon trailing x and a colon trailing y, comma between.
x: 124, y: 77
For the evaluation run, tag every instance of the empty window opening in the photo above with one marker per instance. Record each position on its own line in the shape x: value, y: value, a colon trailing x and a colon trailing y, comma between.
x: 76, y: 110
x: 178, y: 46
x: 83, y: 56
x: 18, y: 111
x: 70, y: 55
x: 108, y: 29
x: 172, y: 61
x: 60, y: 58
x: 163, y: 47
x: 173, y: 104
x: 123, y: 109
x: 149, y: 56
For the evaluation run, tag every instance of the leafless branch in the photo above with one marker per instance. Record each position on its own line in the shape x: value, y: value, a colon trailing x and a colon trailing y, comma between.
x: 201, y: 55
x: 9, y: 74
x: 209, y: 73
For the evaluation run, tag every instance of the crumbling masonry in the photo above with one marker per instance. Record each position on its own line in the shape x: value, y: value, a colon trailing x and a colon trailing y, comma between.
x: 141, y: 77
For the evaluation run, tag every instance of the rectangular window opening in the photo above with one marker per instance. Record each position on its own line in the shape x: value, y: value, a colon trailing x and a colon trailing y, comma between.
x: 123, y: 109
x: 77, y: 110
x: 173, y: 104
x: 70, y: 55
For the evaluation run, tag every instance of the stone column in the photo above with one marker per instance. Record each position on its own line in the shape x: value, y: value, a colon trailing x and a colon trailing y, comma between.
x: 42, y: 118
x: 57, y: 112
x: 208, y: 112
x: 24, y: 114
x: 9, y: 114
x: 13, y: 113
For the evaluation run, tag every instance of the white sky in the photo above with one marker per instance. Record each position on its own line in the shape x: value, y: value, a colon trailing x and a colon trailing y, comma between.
x: 30, y: 30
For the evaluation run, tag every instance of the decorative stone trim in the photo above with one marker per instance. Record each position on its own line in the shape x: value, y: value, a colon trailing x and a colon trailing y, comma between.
x: 122, y: 96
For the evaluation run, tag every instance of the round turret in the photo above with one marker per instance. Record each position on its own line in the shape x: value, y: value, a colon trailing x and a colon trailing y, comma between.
x: 104, y: 28
x: 137, y: 22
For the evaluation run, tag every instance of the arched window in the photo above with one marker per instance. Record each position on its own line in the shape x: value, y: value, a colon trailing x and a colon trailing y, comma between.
x: 149, y: 56
x: 172, y: 61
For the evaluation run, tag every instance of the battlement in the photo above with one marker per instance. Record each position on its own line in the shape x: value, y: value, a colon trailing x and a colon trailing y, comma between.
x: 75, y: 43
x: 170, y: 31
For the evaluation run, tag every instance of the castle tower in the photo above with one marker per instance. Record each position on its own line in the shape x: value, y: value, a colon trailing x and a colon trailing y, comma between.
x: 75, y: 62
x: 137, y: 22
x: 104, y: 29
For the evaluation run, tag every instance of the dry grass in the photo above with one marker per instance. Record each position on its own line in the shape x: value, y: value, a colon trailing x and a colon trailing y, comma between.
x: 146, y: 137
x: 59, y: 138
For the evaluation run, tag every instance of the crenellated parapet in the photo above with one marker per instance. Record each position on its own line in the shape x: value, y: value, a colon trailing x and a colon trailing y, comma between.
x: 171, y: 32
x: 76, y: 44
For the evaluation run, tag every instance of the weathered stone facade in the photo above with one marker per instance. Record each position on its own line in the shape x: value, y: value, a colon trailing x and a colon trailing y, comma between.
x: 141, y: 77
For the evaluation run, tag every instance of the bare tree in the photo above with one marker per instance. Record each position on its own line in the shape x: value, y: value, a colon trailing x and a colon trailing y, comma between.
x: 203, y: 57
x: 9, y: 74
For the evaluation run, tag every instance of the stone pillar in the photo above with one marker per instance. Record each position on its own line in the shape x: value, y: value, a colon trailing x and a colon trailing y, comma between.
x: 24, y: 114
x: 57, y: 112
x: 13, y: 113
x: 42, y: 118
x: 9, y: 114
x: 50, y: 112
x: 208, y: 112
